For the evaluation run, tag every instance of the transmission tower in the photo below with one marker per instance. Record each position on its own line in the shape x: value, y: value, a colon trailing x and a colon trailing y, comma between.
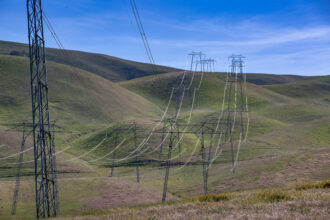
x: 168, y: 164
x: 44, y: 161
x: 236, y: 103
x: 196, y: 57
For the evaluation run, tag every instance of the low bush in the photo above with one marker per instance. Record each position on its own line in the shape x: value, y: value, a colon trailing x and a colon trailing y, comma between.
x: 212, y: 197
x: 273, y: 195
x: 305, y: 186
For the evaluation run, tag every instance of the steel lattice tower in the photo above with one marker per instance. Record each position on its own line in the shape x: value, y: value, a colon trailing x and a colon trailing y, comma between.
x: 236, y: 102
x: 44, y: 160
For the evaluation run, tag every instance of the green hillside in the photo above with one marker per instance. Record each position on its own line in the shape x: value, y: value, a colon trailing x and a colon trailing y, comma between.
x: 270, y: 79
x: 158, y: 87
x: 313, y: 90
x: 77, y: 98
x: 277, y: 203
x: 90, y: 98
x: 111, y: 68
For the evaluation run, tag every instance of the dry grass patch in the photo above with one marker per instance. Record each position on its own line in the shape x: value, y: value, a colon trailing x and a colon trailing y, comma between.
x: 273, y: 195
x: 212, y: 197
x: 273, y: 203
x: 305, y: 186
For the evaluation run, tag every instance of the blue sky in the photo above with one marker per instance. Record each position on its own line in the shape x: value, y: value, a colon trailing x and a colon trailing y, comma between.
x: 276, y: 36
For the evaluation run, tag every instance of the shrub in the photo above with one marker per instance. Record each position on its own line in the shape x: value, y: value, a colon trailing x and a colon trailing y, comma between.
x: 305, y: 186
x: 17, y: 53
x: 213, y: 197
x: 273, y: 196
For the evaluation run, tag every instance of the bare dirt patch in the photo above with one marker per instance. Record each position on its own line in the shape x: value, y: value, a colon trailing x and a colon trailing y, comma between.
x: 121, y: 193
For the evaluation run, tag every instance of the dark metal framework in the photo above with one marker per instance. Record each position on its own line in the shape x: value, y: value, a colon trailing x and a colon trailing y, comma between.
x: 114, y: 153
x: 199, y: 129
x: 194, y: 60
x: 136, y: 155
x: 132, y: 128
x: 43, y: 135
x: 236, y: 101
x: 44, y: 160
x: 20, y: 164
x: 168, y: 164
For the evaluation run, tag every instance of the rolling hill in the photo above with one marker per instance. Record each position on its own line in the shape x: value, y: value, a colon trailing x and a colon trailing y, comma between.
x: 111, y: 68
x: 94, y: 94
x: 77, y: 97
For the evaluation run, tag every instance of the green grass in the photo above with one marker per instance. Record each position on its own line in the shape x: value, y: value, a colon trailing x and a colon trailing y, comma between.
x: 272, y: 79
x: 108, y: 67
x: 314, y: 90
x: 79, y: 100
x: 288, y: 139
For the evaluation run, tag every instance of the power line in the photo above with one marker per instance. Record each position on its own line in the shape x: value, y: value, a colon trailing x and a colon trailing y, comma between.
x: 143, y: 36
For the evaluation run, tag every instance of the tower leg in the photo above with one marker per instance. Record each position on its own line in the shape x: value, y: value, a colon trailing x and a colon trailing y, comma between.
x: 136, y: 157
x: 168, y: 164
x: 18, y: 176
x: 114, y: 154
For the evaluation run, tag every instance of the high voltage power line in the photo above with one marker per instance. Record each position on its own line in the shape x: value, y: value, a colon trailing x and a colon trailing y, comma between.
x: 143, y: 35
x: 43, y: 136
x: 110, y: 152
x: 149, y: 53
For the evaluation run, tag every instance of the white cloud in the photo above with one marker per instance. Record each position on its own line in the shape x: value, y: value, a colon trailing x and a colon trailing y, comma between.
x: 270, y: 38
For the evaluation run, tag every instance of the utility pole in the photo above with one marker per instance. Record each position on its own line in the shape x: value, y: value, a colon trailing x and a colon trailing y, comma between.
x: 204, y: 163
x: 114, y: 154
x: 136, y: 155
x: 44, y: 162
x: 230, y: 123
x: 168, y: 164
x: 18, y: 176
x: 209, y: 160
x: 178, y: 136
x: 161, y: 145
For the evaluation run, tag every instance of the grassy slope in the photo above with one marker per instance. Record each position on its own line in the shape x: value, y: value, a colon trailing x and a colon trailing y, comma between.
x: 158, y: 88
x: 269, y: 112
x: 314, y: 90
x: 282, y: 127
x: 305, y: 201
x: 80, y: 101
x: 288, y: 139
x: 308, y: 94
x: 111, y: 68
x: 77, y: 98
x: 270, y: 79
x: 283, y: 130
